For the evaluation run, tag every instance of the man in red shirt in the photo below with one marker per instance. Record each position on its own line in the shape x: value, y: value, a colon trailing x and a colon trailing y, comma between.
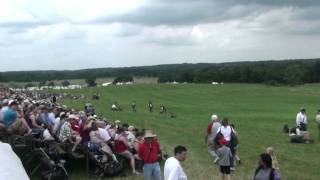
x: 149, y: 152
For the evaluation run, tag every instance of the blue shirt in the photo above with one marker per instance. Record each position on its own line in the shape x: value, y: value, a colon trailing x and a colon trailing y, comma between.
x: 9, y: 117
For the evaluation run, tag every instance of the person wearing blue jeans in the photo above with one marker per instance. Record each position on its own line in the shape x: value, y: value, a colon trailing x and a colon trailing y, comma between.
x: 149, y: 152
x: 151, y: 171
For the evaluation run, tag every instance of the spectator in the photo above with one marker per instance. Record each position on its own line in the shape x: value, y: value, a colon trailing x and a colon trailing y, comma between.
x: 150, y: 105
x: 301, y: 119
x: 11, y: 166
x: 149, y: 152
x: 68, y: 135
x: 172, y: 167
x: 228, y: 133
x: 225, y: 156
x: 318, y: 122
x: 131, y: 136
x: 138, y: 141
x: 265, y: 170
x: 98, y: 138
x: 212, y: 131
x: 134, y: 106
x: 121, y: 147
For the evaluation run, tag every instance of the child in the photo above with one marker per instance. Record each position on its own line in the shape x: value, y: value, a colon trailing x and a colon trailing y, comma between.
x: 224, y: 154
x: 275, y: 164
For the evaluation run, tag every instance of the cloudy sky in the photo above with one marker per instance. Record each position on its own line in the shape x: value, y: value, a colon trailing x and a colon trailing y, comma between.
x: 75, y: 34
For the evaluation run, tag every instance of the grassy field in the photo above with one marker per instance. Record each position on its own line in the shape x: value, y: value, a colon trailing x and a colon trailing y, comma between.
x: 258, y: 112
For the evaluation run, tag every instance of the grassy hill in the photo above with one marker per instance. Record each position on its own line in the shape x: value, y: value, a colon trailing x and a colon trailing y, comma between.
x: 258, y: 112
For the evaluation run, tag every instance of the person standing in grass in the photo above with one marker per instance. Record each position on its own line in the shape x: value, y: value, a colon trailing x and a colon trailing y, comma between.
x: 172, y: 166
x: 150, y: 105
x: 149, y: 152
x: 212, y: 131
x: 228, y: 133
x: 301, y: 119
x: 265, y: 170
x: 318, y: 122
x: 225, y: 156
x: 134, y: 106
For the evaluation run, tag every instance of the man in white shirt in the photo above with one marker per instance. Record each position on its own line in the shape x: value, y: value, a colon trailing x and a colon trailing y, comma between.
x: 301, y: 119
x: 318, y: 122
x: 11, y: 166
x: 172, y: 167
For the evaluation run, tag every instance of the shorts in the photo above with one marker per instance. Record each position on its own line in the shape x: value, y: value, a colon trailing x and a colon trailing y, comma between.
x: 127, y: 154
x: 225, y: 169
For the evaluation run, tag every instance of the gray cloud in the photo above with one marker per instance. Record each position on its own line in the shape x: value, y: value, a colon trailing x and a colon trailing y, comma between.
x: 189, y: 12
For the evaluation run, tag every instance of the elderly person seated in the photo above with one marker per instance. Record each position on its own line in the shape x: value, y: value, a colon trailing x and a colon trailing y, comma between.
x: 66, y: 134
x: 101, y: 137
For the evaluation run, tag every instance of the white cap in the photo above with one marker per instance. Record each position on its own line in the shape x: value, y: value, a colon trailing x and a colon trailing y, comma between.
x: 214, y: 117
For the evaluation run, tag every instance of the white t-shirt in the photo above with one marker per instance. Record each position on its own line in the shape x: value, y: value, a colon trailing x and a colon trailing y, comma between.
x: 131, y: 138
x: 173, y: 170
x: 301, y: 118
x: 46, y: 135
x: 318, y: 118
x: 11, y: 166
x: 226, y: 132
x: 56, y: 124
x: 104, y: 134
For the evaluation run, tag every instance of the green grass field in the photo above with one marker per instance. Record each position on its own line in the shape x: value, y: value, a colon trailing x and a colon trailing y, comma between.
x: 258, y: 112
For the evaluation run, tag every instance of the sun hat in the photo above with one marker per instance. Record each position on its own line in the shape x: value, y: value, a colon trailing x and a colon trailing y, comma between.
x: 149, y: 134
x: 214, y: 117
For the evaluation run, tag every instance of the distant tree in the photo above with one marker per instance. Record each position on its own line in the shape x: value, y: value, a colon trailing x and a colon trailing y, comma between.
x: 29, y: 85
x: 41, y: 84
x: 123, y: 79
x: 51, y: 84
x: 91, y: 81
x: 65, y: 83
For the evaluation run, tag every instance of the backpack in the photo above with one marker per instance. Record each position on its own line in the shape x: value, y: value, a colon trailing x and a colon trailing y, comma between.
x: 285, y: 129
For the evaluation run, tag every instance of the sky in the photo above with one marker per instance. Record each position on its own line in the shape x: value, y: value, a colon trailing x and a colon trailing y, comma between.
x: 78, y: 34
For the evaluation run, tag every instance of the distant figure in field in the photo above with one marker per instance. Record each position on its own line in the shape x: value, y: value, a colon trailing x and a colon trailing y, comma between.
x: 301, y: 119
x: 150, y: 105
x: 224, y: 159
x: 212, y: 131
x: 163, y: 109
x: 318, y: 122
x: 134, y: 106
x: 54, y: 99
x: 296, y: 135
x: 265, y: 170
x: 172, y: 167
x: 115, y: 107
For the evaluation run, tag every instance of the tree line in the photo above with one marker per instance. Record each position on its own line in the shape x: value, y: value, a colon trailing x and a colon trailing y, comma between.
x: 270, y: 72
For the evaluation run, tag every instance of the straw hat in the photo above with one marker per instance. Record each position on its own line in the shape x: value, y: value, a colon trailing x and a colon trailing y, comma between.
x: 149, y: 134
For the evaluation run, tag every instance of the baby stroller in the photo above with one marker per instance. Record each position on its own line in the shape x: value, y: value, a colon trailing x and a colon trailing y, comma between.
x: 104, y: 165
x: 53, y: 167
